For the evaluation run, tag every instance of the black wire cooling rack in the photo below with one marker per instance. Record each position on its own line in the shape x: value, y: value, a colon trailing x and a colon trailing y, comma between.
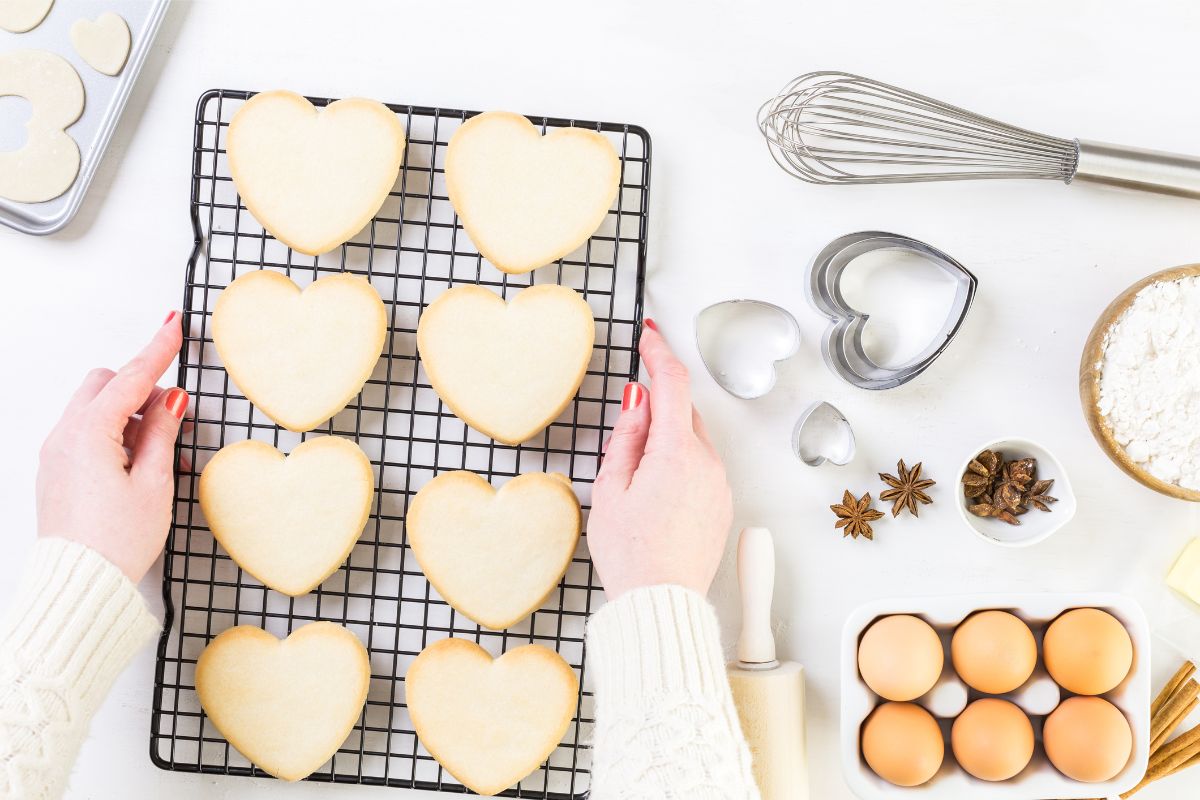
x: 412, y: 250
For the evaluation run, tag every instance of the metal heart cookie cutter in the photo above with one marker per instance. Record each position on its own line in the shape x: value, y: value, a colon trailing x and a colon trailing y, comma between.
x: 741, y: 341
x: 823, y: 434
x: 842, y: 345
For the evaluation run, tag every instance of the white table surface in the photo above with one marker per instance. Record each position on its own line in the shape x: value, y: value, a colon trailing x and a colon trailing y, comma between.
x: 725, y: 222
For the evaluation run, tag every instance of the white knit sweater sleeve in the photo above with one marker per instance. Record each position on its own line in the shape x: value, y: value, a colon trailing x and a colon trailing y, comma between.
x: 666, y: 726
x: 72, y: 626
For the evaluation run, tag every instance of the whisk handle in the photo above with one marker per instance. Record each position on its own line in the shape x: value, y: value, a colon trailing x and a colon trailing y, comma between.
x: 1135, y: 168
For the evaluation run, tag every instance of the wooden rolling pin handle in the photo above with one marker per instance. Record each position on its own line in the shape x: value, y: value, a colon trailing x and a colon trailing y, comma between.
x: 756, y: 577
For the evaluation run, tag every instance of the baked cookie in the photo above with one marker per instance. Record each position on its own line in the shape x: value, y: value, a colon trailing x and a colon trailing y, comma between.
x: 490, y: 723
x: 494, y: 555
x: 285, y: 705
x: 288, y: 521
x: 526, y: 199
x: 313, y: 177
x: 300, y: 356
x: 507, y: 369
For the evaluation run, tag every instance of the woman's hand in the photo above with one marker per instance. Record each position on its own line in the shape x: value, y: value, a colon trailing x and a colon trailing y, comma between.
x: 661, y: 507
x: 105, y: 477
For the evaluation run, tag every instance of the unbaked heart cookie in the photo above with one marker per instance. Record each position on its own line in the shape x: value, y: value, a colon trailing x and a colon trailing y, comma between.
x: 300, y: 356
x: 103, y: 44
x: 288, y: 521
x: 526, y: 199
x: 19, y: 16
x: 285, y: 705
x: 494, y: 555
x: 507, y: 369
x: 490, y: 723
x: 48, y: 163
x: 313, y: 177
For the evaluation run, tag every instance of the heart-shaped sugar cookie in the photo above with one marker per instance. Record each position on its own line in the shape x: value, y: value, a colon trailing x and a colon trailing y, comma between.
x: 285, y: 705
x: 103, y: 44
x: 526, y: 199
x: 507, y: 370
x: 300, y: 356
x: 19, y: 16
x: 313, y: 177
x: 290, y: 522
x: 48, y: 163
x: 490, y: 723
x: 494, y: 555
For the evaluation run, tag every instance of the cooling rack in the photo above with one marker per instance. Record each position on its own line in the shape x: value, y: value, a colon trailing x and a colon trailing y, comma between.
x: 411, y: 251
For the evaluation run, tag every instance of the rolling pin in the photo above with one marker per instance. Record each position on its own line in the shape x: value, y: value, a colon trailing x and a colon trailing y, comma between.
x: 769, y: 694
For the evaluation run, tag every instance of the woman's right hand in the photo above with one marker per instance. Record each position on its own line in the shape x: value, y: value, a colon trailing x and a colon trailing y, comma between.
x: 661, y: 505
x: 106, y: 472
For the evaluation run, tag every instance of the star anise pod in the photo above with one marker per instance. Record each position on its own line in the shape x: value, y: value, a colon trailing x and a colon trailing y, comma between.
x: 981, y: 473
x: 855, y: 516
x: 986, y: 508
x: 1013, y: 483
x: 907, y: 489
x: 1021, y: 471
x: 1037, y: 497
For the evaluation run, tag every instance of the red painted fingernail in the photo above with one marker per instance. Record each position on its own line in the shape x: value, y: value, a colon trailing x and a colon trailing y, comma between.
x: 632, y: 398
x: 177, y: 402
x: 170, y: 317
x: 649, y: 323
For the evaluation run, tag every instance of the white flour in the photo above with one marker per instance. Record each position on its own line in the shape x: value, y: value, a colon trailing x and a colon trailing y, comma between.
x: 1150, y: 381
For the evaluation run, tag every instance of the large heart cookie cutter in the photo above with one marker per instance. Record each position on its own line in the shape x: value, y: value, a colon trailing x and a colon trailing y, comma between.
x: 842, y: 345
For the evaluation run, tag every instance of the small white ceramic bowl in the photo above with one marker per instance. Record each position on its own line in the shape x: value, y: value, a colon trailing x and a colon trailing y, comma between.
x: 1036, y: 525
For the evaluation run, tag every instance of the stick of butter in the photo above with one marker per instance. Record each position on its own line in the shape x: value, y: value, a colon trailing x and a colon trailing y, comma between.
x: 1184, y: 577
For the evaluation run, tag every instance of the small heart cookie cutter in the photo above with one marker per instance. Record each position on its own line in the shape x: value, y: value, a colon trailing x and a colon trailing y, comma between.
x: 741, y: 341
x: 842, y: 346
x: 823, y: 434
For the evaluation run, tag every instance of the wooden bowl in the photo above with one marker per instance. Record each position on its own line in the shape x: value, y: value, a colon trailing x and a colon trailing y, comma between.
x: 1089, y: 384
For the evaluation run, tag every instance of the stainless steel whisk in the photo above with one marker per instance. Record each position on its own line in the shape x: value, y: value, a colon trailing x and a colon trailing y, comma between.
x: 838, y: 128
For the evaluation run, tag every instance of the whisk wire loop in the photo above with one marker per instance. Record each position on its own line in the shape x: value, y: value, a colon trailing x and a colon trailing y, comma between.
x: 834, y: 127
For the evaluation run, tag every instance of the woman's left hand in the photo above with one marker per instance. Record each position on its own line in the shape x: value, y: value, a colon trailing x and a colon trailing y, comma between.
x: 106, y: 472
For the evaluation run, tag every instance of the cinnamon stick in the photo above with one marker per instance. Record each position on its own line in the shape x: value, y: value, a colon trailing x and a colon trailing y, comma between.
x: 1172, y: 686
x: 1172, y: 724
x: 1171, y: 710
x: 1178, y: 698
x: 1174, y: 755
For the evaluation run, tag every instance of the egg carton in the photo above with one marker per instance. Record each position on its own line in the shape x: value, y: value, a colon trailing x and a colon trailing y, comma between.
x: 1038, y: 697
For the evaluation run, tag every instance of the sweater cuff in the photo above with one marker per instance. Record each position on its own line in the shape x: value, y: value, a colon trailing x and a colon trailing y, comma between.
x: 75, y: 619
x: 656, y: 639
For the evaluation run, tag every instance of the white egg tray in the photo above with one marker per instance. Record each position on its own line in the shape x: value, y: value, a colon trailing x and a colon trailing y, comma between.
x: 1037, y: 698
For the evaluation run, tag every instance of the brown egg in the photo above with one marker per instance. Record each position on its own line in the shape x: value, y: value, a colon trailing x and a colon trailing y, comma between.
x: 903, y: 744
x: 992, y: 739
x: 1087, y: 651
x: 994, y: 652
x: 900, y: 657
x: 1088, y: 739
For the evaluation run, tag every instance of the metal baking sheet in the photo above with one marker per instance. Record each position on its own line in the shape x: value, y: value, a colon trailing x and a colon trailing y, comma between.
x: 104, y: 99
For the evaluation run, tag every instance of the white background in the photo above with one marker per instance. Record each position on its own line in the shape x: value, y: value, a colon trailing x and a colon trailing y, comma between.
x: 725, y: 222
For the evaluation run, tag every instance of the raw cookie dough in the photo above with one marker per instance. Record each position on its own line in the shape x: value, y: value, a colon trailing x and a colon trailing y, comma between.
x: 490, y: 723
x: 285, y: 705
x: 526, y: 199
x: 290, y: 522
x: 20, y: 16
x: 300, y: 356
x: 313, y: 177
x: 494, y: 555
x: 507, y: 370
x: 103, y: 44
x: 48, y: 163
